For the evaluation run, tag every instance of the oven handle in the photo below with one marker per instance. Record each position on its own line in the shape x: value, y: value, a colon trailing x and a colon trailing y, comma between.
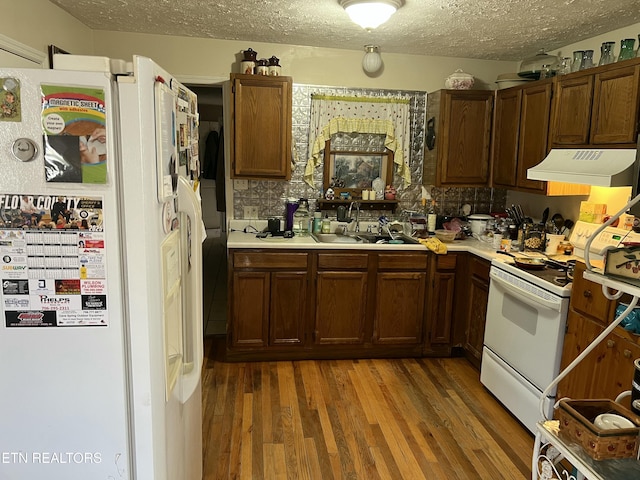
x: 529, y: 298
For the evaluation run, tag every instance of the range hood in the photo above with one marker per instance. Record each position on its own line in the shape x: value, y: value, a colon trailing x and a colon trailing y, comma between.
x: 601, y: 168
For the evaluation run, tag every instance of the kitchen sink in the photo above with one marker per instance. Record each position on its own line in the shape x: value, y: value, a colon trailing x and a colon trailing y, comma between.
x: 362, y: 238
x: 336, y: 238
x: 396, y: 239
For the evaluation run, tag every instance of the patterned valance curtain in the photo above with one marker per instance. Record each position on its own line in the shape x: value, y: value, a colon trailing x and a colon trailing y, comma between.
x: 387, y: 116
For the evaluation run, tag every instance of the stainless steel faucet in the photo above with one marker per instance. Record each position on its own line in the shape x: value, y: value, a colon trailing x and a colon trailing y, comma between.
x: 357, y: 205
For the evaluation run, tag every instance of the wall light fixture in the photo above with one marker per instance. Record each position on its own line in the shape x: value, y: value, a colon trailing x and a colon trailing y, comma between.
x: 372, y: 61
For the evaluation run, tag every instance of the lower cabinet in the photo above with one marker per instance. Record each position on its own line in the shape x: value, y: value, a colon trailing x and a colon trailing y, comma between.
x: 327, y: 304
x: 608, y: 370
x: 604, y: 373
x: 286, y: 304
x: 441, y: 303
x: 341, y: 299
x: 268, y: 299
x: 478, y: 294
x: 401, y: 282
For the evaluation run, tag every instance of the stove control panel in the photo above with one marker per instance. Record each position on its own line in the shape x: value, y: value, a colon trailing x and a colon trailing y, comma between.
x: 609, y: 237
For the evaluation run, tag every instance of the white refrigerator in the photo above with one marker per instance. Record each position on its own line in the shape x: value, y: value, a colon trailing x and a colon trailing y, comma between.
x: 100, y: 239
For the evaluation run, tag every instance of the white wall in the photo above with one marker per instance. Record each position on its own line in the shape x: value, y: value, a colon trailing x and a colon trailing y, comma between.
x: 216, y: 59
x: 39, y: 23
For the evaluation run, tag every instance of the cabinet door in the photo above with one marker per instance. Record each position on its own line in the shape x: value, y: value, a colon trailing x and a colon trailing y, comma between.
x: 580, y: 382
x: 288, y: 308
x: 587, y: 298
x: 619, y: 369
x: 465, y: 131
x: 506, y: 129
x: 534, y: 131
x: 615, y: 106
x: 443, y: 289
x: 572, y: 111
x: 261, y: 127
x: 478, y: 298
x: 399, y: 307
x: 341, y: 303
x: 250, y: 309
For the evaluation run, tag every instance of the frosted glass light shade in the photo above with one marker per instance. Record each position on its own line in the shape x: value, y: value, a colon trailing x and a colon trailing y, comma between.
x: 372, y: 61
x: 370, y: 14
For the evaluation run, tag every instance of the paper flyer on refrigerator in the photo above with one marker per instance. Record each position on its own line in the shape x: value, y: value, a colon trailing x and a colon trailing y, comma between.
x: 53, y: 261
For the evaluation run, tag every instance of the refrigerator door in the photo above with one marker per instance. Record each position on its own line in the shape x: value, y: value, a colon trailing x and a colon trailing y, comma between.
x: 63, y: 333
x: 159, y: 121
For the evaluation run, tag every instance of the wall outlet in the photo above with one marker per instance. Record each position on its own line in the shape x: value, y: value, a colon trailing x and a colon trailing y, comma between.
x: 250, y: 212
x: 241, y: 184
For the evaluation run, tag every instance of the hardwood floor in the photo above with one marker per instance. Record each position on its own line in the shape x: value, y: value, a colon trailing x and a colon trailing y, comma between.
x: 356, y: 419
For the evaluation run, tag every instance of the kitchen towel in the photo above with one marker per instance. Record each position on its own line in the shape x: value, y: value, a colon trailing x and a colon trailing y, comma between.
x: 434, y: 245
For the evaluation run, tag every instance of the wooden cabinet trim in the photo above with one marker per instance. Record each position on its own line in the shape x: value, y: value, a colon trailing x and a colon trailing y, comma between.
x: 402, y: 261
x: 342, y: 261
x: 270, y: 260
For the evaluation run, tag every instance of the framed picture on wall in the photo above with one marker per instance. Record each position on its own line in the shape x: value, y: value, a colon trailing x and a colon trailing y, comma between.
x: 355, y: 171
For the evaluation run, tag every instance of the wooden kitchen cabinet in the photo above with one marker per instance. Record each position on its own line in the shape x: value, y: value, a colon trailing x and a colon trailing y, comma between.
x: 400, y: 299
x: 605, y: 372
x: 268, y: 299
x: 521, y: 136
x: 597, y: 107
x: 608, y: 370
x: 261, y: 116
x: 441, y: 304
x: 286, y: 304
x: 478, y: 296
x: 341, y: 299
x: 587, y: 298
x: 462, y: 122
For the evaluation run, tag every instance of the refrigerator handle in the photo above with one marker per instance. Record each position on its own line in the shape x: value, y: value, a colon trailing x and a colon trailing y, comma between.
x: 189, y: 204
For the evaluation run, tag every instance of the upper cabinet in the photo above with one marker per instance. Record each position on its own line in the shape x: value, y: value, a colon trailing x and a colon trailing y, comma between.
x: 520, y: 136
x: 458, y: 138
x: 597, y: 107
x: 260, y: 127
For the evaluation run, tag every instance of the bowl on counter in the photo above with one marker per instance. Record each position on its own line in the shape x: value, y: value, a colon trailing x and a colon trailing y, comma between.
x: 446, y: 236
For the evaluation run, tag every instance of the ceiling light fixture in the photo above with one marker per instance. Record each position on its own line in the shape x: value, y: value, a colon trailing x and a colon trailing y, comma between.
x: 370, y: 14
x: 372, y: 61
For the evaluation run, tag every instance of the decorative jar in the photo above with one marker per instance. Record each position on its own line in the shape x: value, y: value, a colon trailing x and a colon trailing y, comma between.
x: 248, y: 63
x: 459, y: 80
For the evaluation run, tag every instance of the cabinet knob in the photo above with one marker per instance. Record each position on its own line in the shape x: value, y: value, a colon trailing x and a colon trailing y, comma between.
x: 587, y: 293
x: 627, y: 353
x: 611, y: 344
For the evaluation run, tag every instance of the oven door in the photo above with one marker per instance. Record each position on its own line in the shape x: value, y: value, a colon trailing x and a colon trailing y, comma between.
x: 525, y: 327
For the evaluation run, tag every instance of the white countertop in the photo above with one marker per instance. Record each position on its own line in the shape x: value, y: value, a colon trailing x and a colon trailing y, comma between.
x: 237, y: 238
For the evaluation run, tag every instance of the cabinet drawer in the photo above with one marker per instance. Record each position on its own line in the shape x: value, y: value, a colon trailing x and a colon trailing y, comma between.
x: 342, y: 261
x: 479, y: 268
x: 400, y: 261
x: 269, y: 260
x: 445, y: 262
x: 587, y: 298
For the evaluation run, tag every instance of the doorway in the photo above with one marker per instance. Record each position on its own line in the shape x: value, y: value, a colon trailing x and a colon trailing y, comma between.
x: 214, y: 256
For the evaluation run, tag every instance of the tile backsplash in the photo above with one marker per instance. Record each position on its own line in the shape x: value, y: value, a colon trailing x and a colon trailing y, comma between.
x: 269, y: 196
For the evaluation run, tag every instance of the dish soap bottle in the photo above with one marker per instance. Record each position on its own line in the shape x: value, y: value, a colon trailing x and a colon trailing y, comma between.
x: 317, y: 220
x: 301, y: 218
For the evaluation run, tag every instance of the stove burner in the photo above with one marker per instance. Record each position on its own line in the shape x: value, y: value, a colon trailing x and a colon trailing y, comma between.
x: 562, y: 281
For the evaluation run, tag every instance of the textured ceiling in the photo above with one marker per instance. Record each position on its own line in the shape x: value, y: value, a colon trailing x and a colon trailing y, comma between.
x: 485, y: 29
